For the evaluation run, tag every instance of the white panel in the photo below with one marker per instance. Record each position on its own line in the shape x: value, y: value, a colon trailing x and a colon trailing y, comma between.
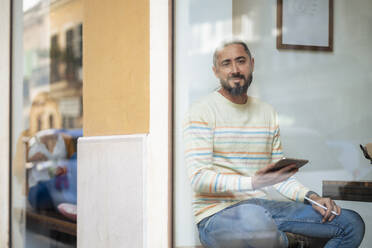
x: 4, y: 120
x: 111, y: 191
x: 158, y: 167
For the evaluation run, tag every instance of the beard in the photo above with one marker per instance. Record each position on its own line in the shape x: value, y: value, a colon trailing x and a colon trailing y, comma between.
x: 238, y: 89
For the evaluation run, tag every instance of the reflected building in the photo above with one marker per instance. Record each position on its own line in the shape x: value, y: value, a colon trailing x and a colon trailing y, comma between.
x: 50, y: 106
x: 53, y: 59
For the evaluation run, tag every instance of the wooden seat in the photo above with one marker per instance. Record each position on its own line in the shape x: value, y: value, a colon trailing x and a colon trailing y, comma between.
x: 52, y: 221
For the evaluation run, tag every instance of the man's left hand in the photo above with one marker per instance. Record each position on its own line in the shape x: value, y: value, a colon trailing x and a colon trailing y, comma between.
x: 329, y: 204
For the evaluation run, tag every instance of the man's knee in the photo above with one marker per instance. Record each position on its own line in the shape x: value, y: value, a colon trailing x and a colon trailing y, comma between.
x: 355, y: 225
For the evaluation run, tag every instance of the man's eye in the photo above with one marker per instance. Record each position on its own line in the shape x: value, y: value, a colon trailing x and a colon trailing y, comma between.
x: 241, y: 61
x: 225, y: 63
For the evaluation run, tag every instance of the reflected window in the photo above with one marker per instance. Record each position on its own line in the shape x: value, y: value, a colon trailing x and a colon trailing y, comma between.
x: 55, y: 56
x: 39, y: 123
x: 51, y: 121
x: 70, y: 72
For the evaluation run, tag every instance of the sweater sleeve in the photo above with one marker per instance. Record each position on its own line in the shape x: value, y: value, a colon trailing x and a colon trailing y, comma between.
x: 290, y: 188
x: 206, y: 177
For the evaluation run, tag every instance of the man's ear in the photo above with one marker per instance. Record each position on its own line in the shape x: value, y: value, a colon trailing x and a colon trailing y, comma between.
x: 252, y: 64
x: 214, y: 70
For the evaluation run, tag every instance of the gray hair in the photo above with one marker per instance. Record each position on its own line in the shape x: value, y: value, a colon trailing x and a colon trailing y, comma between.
x: 228, y: 43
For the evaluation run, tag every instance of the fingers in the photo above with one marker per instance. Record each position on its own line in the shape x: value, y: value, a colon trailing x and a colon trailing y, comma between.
x: 327, y: 215
x: 271, y: 168
x: 292, y: 172
x: 267, y: 168
x: 326, y: 208
x: 265, y: 176
x: 331, y: 206
x: 320, y: 210
x: 338, y: 210
x: 288, y: 169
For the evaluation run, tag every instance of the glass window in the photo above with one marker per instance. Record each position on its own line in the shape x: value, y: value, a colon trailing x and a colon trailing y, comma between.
x: 321, y: 98
x: 46, y: 121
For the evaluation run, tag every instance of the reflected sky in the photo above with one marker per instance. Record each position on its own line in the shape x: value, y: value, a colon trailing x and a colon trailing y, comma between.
x: 28, y: 4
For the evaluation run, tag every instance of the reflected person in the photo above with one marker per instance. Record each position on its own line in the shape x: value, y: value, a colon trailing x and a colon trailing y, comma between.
x: 232, y: 141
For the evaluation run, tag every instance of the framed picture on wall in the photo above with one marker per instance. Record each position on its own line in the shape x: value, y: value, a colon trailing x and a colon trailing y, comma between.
x: 305, y: 25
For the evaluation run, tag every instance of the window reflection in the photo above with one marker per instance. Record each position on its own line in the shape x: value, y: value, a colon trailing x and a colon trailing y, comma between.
x: 47, y: 121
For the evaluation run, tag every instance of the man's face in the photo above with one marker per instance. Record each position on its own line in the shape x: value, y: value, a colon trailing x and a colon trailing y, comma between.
x: 234, y: 69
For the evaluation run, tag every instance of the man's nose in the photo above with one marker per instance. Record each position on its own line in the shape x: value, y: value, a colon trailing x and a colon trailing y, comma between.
x: 234, y: 68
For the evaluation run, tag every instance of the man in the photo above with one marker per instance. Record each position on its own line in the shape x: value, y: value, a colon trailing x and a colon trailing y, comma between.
x: 232, y: 142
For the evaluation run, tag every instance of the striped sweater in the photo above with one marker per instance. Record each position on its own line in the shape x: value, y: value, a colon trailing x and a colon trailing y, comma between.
x: 225, y: 144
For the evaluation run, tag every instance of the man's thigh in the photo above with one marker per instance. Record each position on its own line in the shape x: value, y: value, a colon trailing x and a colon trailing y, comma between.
x: 243, y: 225
x: 293, y: 217
x: 303, y: 219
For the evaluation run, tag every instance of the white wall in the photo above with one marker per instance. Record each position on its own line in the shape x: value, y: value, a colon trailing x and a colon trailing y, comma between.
x: 4, y: 120
x: 323, y: 99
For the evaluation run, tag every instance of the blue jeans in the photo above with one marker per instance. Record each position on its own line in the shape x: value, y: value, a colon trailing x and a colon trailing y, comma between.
x: 262, y: 223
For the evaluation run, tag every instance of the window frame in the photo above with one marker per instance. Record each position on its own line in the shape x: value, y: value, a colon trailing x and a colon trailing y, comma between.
x: 5, y: 127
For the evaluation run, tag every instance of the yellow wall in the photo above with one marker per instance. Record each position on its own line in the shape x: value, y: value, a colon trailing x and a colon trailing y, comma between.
x: 116, y: 67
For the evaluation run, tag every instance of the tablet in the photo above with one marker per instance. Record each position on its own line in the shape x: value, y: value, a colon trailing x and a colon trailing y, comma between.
x: 288, y: 161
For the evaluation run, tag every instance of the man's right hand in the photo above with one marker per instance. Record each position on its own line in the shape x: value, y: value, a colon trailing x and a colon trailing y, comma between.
x: 266, y: 176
